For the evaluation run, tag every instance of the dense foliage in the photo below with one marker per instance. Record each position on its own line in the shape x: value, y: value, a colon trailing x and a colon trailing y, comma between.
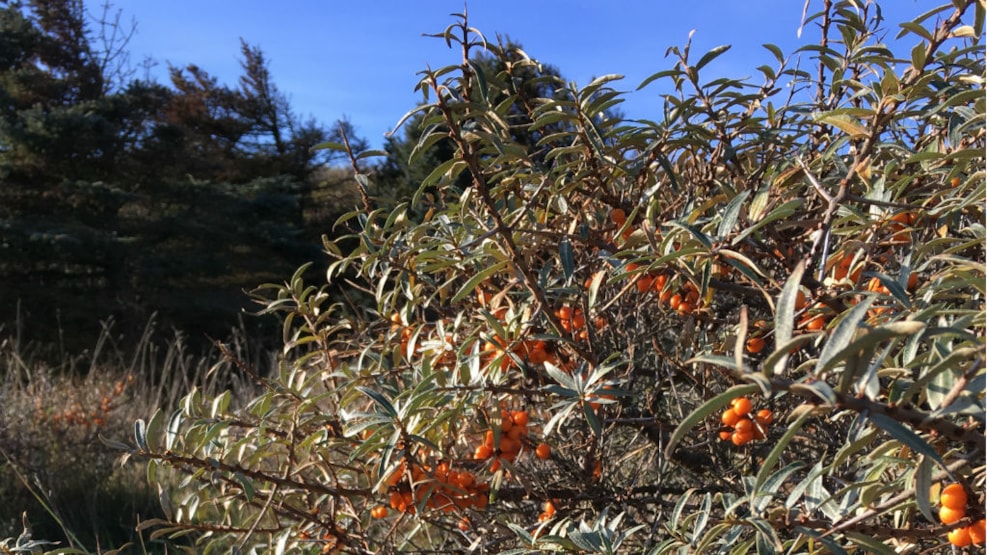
x: 752, y: 323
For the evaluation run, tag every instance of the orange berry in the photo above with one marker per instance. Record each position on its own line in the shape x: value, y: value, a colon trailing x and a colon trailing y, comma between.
x: 912, y: 281
x: 725, y: 435
x: 578, y: 320
x: 618, y: 216
x: 743, y: 426
x: 955, y: 181
x: 483, y: 452
x: 665, y: 295
x: 509, y: 445
x: 537, y: 356
x: 379, y: 511
x: 659, y: 282
x: 954, y: 497
x: 950, y: 516
x: 466, y: 479
x: 564, y: 313
x: 675, y: 301
x: 977, y: 532
x: 960, y: 537
x: 741, y: 405
x: 548, y: 508
x: 764, y: 417
x: 729, y: 417
x: 506, y: 421
x: 685, y: 307
x: 816, y: 323
x: 800, y: 300
x: 755, y: 345
x: 739, y: 438
x: 543, y: 451
x: 903, y: 218
x: 464, y: 524
x: 520, y: 418
x: 644, y: 283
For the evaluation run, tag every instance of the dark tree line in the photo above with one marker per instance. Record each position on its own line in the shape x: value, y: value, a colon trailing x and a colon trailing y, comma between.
x: 123, y: 197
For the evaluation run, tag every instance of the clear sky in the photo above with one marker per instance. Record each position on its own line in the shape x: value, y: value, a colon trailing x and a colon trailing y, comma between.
x: 359, y: 59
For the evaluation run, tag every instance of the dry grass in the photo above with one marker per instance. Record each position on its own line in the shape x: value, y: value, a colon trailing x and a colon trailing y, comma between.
x: 53, y: 465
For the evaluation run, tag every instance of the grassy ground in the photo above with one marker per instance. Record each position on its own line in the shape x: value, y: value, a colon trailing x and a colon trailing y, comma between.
x: 56, y: 409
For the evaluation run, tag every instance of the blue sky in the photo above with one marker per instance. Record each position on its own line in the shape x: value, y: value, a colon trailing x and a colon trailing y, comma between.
x: 360, y: 59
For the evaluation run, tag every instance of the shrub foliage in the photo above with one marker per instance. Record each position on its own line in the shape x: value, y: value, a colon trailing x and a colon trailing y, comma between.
x: 754, y: 322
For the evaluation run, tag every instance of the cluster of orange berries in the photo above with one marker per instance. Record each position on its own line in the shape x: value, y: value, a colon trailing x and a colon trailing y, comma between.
x: 77, y: 415
x: 442, y: 488
x: 740, y: 427
x: 683, y: 299
x: 513, y: 433
x: 952, y: 509
x: 547, y: 511
x: 900, y: 225
x: 573, y: 321
x: 533, y: 351
x: 816, y: 317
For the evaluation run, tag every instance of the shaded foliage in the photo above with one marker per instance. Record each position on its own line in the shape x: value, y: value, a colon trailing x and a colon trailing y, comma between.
x: 142, y: 197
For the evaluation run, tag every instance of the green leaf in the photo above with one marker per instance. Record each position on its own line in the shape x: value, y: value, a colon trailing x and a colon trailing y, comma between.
x: 776, y: 51
x: 659, y: 75
x: 785, y: 321
x: 870, y: 543
x: 330, y: 146
x: 471, y: 284
x: 775, y: 455
x: 371, y: 153
x: 845, y: 123
x: 906, y: 436
x: 567, y: 257
x: 843, y: 333
x: 711, y: 55
x: 923, y: 485
x: 140, y: 434
x: 174, y: 426
x: 383, y: 402
x: 730, y: 215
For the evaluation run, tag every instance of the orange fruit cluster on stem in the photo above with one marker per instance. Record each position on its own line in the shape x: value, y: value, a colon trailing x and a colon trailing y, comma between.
x: 76, y: 413
x: 441, y: 487
x: 952, y: 509
x: 513, y: 433
x: 740, y: 426
x: 548, y: 511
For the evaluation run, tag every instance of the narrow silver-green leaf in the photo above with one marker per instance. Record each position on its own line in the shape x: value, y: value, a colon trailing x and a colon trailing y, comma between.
x: 843, y: 333
x: 905, y: 435
x: 785, y: 320
x: 481, y: 276
x: 567, y: 258
x: 711, y: 55
x: 775, y: 455
x: 730, y: 215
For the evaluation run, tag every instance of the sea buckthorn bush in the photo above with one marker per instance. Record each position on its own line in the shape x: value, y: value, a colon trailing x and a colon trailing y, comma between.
x: 597, y: 288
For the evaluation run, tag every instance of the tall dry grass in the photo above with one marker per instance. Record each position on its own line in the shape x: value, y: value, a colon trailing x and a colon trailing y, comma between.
x: 57, y: 407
